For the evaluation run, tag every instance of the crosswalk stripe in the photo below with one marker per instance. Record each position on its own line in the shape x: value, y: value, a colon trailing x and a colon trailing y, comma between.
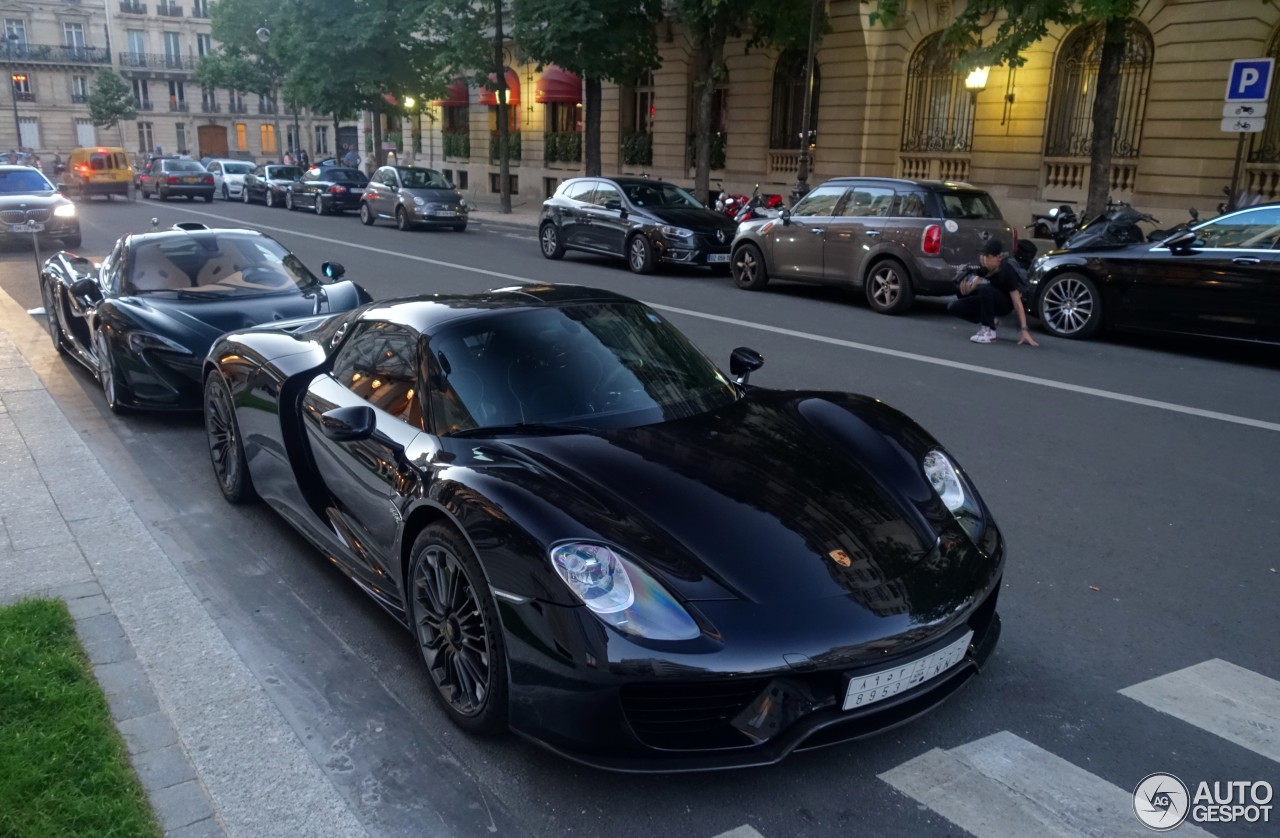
x: 1002, y: 786
x: 1227, y: 700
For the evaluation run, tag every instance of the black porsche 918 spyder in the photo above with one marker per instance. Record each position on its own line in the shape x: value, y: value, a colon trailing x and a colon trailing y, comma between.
x: 143, y: 321
x: 601, y: 541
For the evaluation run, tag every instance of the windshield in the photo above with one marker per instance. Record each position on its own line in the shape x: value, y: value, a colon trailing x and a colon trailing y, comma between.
x: 342, y: 175
x: 659, y: 194
x: 215, y: 266
x: 423, y: 179
x: 600, y: 365
x: 284, y: 173
x: 237, y: 168
x: 969, y: 205
x: 17, y: 180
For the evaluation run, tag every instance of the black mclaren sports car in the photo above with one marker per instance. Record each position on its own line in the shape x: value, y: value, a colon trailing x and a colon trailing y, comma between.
x: 144, y: 319
x: 601, y: 541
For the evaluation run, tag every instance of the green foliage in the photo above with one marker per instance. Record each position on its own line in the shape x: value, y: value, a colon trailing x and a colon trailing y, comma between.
x: 63, y: 769
x: 719, y: 144
x: 613, y: 40
x: 111, y: 99
x: 513, y: 147
x: 637, y: 149
x: 457, y: 144
x: 562, y: 147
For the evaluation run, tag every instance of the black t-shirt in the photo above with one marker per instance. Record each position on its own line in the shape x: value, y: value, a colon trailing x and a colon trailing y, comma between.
x: 1004, y: 278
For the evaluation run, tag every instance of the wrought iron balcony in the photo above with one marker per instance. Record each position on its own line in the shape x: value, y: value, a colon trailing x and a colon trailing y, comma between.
x: 143, y: 104
x: 24, y: 97
x: 237, y: 107
x: 79, y: 98
x: 129, y: 7
x: 169, y: 9
x: 200, y: 10
x: 156, y: 61
x: 210, y: 107
x: 179, y: 107
x: 55, y: 54
x: 266, y: 107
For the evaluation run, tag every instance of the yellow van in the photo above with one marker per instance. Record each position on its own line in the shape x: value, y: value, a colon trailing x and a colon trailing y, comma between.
x: 98, y: 171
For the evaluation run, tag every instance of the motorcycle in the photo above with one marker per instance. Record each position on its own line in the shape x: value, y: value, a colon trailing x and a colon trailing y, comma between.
x: 1115, y: 227
x: 759, y: 206
x: 1059, y: 223
x: 729, y: 204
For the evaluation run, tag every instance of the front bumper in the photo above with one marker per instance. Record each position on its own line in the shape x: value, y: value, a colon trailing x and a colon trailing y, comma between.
x: 160, y: 380
x: 441, y: 218
x: 54, y: 228
x: 700, y: 250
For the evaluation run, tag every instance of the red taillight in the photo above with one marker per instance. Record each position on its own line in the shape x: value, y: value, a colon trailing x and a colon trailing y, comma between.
x: 82, y: 169
x: 172, y: 179
x: 932, y: 244
x: 337, y: 189
x: 208, y: 179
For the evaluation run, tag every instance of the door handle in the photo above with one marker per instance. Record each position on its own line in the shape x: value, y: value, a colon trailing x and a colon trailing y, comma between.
x: 816, y: 230
x: 1247, y: 260
x: 873, y: 234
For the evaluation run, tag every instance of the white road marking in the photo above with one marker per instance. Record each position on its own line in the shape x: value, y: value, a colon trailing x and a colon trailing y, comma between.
x: 1003, y: 786
x: 1227, y: 700
x: 743, y: 831
x: 847, y: 344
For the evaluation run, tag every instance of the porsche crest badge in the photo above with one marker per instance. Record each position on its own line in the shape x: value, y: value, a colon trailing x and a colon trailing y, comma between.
x: 840, y: 557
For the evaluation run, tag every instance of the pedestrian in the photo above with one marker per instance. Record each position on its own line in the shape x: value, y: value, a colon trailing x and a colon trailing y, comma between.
x: 304, y: 159
x: 288, y: 157
x: 992, y: 292
x: 370, y: 164
x: 351, y: 159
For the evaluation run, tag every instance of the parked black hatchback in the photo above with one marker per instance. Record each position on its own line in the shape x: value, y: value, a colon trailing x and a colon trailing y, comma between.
x: 643, y: 221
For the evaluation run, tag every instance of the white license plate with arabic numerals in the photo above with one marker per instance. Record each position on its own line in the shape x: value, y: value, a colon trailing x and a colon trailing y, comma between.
x: 29, y: 227
x: 717, y: 257
x: 877, y: 686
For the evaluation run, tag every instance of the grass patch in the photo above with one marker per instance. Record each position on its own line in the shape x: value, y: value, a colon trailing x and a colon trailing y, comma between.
x: 63, y: 767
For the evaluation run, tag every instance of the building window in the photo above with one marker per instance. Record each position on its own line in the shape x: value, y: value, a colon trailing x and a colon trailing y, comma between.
x: 85, y: 133
x: 938, y: 114
x: 242, y: 137
x: 1075, y: 81
x: 200, y: 8
x: 79, y: 89
x: 137, y: 44
x: 182, y: 138
x: 146, y: 137
x: 787, y: 117
x: 265, y: 105
x: 172, y: 50
x: 22, y: 87
x: 30, y: 131
x: 237, y: 102
x: 1264, y: 147
x: 563, y: 117
x: 141, y: 95
x: 204, y: 45
x: 73, y: 35
x: 208, y: 99
x: 637, y: 111
x: 15, y: 30
x: 322, y: 140
x: 177, y: 96
x: 457, y: 119
x: 268, y: 136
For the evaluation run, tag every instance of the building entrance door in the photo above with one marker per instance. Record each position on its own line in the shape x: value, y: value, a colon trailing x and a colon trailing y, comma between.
x: 213, y: 140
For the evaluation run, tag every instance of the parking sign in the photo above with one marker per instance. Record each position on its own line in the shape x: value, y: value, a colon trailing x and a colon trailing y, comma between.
x: 1250, y: 80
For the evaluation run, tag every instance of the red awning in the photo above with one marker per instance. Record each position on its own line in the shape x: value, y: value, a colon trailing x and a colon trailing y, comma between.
x: 456, y: 95
x: 490, y: 97
x: 558, y: 85
x: 391, y: 98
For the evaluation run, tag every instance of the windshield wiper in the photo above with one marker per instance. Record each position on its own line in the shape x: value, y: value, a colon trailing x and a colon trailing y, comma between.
x: 530, y: 428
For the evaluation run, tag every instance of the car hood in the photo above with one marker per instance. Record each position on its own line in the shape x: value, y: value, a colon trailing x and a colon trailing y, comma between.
x: 32, y: 200
x: 196, y: 323
x: 781, y: 497
x: 698, y: 220
x: 432, y: 195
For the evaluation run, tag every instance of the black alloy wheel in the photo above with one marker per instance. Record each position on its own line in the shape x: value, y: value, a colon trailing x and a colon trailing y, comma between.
x: 749, y: 271
x: 226, y: 449
x: 51, y: 316
x: 106, y: 372
x: 640, y: 255
x: 366, y: 215
x: 888, y: 287
x: 1070, y: 307
x: 271, y: 198
x: 455, y: 622
x: 549, y: 241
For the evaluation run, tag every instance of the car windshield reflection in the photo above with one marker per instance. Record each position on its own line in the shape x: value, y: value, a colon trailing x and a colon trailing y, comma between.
x: 660, y: 195
x: 208, y: 267
x: 16, y: 181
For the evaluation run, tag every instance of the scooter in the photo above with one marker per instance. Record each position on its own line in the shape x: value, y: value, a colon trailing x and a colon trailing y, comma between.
x: 759, y: 206
x: 729, y: 204
x: 1116, y: 227
x: 1059, y: 223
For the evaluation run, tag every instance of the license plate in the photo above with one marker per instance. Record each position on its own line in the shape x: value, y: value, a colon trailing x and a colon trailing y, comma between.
x: 357, y: 191
x: 26, y: 228
x: 191, y: 180
x: 877, y: 686
x: 102, y: 177
x: 717, y: 257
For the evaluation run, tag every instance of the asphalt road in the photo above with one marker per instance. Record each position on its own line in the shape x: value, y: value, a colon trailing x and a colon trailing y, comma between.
x: 1134, y: 480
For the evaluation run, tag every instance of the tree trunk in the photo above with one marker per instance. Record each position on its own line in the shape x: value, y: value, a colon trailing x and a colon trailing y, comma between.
x: 708, y: 61
x: 591, y: 128
x: 377, y: 136
x: 504, y: 146
x: 275, y: 118
x: 1106, y: 101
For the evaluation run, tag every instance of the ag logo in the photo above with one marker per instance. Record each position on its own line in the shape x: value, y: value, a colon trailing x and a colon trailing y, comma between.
x: 1161, y: 802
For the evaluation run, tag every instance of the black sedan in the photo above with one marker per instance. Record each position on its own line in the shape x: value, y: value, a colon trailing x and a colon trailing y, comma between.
x: 1216, y: 280
x: 646, y: 222
x: 269, y: 184
x: 31, y: 205
x: 600, y: 540
x: 327, y: 190
x: 143, y: 320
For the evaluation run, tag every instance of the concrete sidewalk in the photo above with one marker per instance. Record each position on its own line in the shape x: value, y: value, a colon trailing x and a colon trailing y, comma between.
x: 524, y: 213
x: 215, y: 755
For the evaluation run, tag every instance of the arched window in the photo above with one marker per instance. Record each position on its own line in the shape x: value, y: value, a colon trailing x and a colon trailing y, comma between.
x: 1075, y: 81
x: 938, y: 114
x: 786, y: 121
x: 1265, y: 146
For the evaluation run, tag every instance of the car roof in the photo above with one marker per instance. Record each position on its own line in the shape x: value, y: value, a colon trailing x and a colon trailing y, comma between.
x: 623, y: 180
x: 426, y: 314
x: 896, y: 181
x: 18, y: 167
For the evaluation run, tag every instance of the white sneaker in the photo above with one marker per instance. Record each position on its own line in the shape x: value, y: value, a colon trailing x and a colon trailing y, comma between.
x: 984, y: 335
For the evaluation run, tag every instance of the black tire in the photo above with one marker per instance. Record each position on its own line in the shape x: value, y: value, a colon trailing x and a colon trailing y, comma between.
x: 319, y: 207
x: 749, y: 270
x: 161, y: 195
x: 888, y: 287
x: 459, y: 228
x: 549, y: 241
x: 402, y: 220
x: 226, y: 193
x: 208, y: 199
x: 146, y: 196
x: 226, y: 446
x: 271, y: 198
x: 107, y: 373
x: 288, y: 201
x: 51, y: 316
x: 1069, y: 306
x: 191, y: 197
x: 457, y: 629
x: 640, y: 255
x: 366, y: 215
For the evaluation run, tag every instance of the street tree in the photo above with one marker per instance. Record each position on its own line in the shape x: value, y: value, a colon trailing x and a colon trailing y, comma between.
x: 710, y: 24
x: 111, y: 102
x: 599, y: 40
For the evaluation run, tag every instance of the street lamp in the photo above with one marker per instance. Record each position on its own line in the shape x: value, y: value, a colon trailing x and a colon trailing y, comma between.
x: 13, y: 91
x: 802, y: 162
x: 976, y: 81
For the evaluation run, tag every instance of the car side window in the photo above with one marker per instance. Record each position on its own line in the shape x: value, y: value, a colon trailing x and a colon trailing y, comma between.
x: 1257, y: 229
x: 215, y: 168
x: 821, y: 201
x: 605, y: 193
x: 868, y: 202
x: 380, y: 365
x: 111, y: 269
x: 580, y: 191
x: 911, y: 205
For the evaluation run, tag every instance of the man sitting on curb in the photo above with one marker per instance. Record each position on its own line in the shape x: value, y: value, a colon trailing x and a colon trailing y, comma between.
x: 981, y: 299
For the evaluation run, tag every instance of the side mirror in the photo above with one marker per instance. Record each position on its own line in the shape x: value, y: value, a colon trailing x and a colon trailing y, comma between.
x: 348, y: 424
x: 86, y: 289
x: 1195, y: 214
x: 62, y: 188
x: 613, y: 204
x: 743, y: 361
x: 785, y: 215
x: 1183, y: 241
x: 333, y: 270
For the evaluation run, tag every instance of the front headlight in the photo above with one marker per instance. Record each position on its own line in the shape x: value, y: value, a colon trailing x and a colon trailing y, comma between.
x: 620, y: 593
x: 954, y: 492
x: 677, y: 232
x: 140, y: 341
x: 418, y: 202
x: 65, y: 211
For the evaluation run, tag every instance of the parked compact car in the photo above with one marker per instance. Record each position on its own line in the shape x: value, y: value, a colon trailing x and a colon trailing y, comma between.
x: 412, y: 197
x: 646, y: 222
x: 328, y: 189
x: 170, y: 177
x: 602, y: 541
x: 97, y: 171
x: 228, y: 176
x: 31, y: 205
x: 143, y: 320
x: 269, y: 183
x: 1217, y: 279
x: 894, y: 239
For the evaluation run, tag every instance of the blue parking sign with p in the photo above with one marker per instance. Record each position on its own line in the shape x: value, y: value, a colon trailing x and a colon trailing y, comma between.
x: 1250, y: 80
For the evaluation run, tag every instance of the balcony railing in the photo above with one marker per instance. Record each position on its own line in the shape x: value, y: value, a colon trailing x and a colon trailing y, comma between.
x: 79, y: 98
x: 266, y: 107
x: 127, y: 7
x: 210, y: 107
x: 24, y: 97
x: 143, y: 104
x: 199, y: 10
x: 169, y: 9
x: 179, y: 107
x: 237, y: 107
x: 156, y: 60
x: 56, y: 53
